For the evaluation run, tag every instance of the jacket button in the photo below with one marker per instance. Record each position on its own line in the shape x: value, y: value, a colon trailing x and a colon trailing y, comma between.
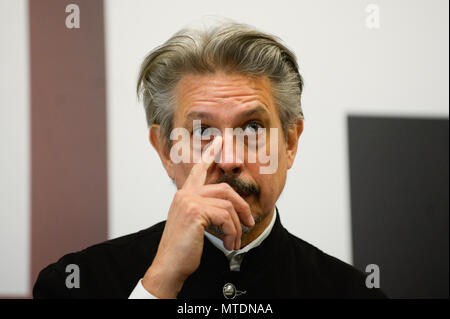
x: 229, y: 291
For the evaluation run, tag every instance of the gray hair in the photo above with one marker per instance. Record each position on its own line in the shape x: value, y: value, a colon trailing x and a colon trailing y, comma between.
x: 231, y: 47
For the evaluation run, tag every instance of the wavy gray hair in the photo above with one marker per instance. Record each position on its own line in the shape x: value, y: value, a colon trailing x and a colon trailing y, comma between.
x: 230, y: 47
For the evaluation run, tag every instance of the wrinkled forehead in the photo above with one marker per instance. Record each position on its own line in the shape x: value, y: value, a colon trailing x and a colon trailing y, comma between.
x: 222, y: 93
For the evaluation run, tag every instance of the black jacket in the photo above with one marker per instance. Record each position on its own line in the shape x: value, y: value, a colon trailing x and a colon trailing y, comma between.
x: 283, y: 266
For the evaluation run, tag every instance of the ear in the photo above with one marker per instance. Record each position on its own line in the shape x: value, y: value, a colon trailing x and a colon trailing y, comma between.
x: 160, y: 146
x: 293, y: 135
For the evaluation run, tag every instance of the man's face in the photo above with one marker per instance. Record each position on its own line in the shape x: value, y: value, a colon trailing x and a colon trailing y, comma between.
x: 224, y: 101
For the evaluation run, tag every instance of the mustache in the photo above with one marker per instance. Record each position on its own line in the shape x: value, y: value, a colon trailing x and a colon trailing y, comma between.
x: 241, y: 187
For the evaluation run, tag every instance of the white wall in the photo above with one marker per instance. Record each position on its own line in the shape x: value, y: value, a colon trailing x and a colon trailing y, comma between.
x: 399, y: 69
x: 14, y: 146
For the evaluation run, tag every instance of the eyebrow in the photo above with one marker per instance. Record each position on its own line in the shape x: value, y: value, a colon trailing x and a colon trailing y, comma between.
x: 198, y: 115
x: 207, y: 116
x: 259, y: 110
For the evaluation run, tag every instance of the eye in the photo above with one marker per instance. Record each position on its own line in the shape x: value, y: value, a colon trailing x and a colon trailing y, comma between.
x: 252, y: 127
x: 199, y: 131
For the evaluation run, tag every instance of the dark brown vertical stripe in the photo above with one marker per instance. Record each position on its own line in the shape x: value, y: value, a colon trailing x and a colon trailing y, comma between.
x: 68, y: 127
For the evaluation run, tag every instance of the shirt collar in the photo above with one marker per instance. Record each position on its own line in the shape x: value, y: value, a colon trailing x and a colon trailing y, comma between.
x: 255, y: 243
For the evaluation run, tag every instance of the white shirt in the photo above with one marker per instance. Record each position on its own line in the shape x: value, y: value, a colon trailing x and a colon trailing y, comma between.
x: 235, y: 257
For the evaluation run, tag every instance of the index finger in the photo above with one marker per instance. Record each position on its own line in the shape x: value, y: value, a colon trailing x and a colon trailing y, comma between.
x: 197, y: 176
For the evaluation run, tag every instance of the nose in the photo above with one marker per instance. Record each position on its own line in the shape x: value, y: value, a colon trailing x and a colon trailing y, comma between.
x: 229, y: 168
x: 230, y: 162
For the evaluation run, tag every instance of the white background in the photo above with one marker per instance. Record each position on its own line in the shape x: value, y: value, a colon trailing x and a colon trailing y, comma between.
x: 14, y: 149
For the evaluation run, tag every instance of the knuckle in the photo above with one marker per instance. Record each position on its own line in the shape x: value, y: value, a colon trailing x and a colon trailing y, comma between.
x: 225, y: 187
x: 179, y: 194
x: 228, y: 205
x: 190, y: 208
x: 224, y: 215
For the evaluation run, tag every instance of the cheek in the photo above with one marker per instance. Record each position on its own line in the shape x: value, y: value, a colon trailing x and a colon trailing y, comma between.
x: 271, y: 184
x: 282, y: 167
x: 282, y: 157
x: 269, y: 194
x: 264, y: 181
x: 182, y: 171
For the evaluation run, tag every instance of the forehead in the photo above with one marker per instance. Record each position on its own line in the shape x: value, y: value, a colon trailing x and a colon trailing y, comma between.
x: 222, y: 92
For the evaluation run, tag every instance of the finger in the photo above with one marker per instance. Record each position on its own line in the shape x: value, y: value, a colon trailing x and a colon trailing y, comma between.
x: 227, y: 205
x: 197, y: 176
x: 221, y: 217
x: 225, y: 191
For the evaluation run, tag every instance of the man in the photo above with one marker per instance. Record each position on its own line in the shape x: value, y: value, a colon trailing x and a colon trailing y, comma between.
x: 225, y: 97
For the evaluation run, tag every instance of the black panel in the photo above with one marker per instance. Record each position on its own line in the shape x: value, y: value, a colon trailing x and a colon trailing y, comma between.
x: 399, y: 202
